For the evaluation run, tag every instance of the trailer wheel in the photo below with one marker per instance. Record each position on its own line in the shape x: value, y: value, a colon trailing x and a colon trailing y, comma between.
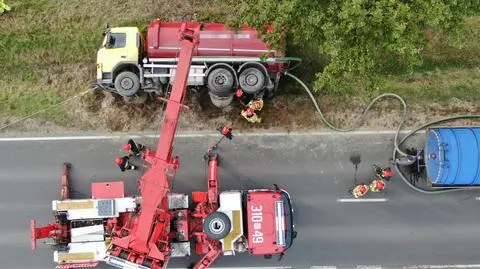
x: 217, y: 225
x: 221, y: 82
x: 251, y: 80
x: 127, y: 83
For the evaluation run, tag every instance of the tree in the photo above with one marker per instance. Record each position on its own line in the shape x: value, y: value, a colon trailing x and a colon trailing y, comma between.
x: 4, y: 7
x: 359, y: 38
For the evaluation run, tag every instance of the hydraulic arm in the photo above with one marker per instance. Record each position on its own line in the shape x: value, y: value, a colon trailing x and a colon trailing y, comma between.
x: 148, y: 236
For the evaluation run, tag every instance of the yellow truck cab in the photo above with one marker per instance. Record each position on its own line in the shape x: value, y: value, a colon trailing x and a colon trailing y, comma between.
x: 118, y: 60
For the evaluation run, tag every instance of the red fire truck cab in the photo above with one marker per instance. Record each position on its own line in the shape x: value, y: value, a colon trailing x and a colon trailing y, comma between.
x: 270, y: 222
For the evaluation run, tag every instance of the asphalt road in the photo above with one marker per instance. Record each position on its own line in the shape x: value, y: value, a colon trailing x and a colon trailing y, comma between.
x: 407, y: 229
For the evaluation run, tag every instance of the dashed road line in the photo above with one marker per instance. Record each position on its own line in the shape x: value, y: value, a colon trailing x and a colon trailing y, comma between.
x: 446, y: 266
x: 362, y: 200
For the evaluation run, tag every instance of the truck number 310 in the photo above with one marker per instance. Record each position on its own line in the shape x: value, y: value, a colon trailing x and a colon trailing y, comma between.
x: 257, y: 219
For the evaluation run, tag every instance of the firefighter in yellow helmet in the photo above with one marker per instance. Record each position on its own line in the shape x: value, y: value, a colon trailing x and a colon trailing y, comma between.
x: 250, y: 115
x: 360, y: 190
x: 255, y: 104
x: 377, y: 185
x: 249, y: 111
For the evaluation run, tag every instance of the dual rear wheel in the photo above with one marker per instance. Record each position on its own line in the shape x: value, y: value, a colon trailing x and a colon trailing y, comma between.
x: 221, y: 81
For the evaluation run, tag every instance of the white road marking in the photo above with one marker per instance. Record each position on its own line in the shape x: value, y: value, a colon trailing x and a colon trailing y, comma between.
x: 278, y: 267
x: 187, y: 135
x: 442, y: 266
x: 56, y: 138
x: 362, y: 200
x: 477, y: 198
x: 452, y: 266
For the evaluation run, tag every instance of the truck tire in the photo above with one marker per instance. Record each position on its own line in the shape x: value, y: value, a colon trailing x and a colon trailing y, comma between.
x: 220, y: 102
x: 252, y: 80
x: 221, y: 82
x: 127, y: 83
x: 217, y: 225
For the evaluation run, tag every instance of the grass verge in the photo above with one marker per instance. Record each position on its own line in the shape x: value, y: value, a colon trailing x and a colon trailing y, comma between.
x: 48, y: 50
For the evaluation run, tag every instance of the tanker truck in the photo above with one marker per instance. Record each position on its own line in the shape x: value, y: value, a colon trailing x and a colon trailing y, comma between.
x: 449, y: 158
x: 452, y: 156
x: 228, y: 62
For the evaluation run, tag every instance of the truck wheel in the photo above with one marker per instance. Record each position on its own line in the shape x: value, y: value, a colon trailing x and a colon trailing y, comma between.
x: 217, y: 225
x: 220, y: 102
x: 221, y: 82
x: 127, y: 83
x: 251, y: 80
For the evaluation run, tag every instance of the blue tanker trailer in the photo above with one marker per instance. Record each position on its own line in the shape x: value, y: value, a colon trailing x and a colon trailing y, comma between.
x: 452, y: 157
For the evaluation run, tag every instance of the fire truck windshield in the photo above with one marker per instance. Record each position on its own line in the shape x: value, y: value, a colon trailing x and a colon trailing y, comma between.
x: 286, y: 235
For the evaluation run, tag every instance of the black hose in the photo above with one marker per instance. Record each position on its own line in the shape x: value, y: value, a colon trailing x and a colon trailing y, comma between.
x: 397, y: 144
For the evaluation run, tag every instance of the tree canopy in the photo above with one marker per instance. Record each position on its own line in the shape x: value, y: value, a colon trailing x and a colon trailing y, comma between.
x: 359, y: 38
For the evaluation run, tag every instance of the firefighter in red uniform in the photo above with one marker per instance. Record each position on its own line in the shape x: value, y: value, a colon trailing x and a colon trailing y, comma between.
x: 249, y: 114
x: 360, y: 190
x: 383, y: 173
x: 377, y: 185
x: 226, y: 132
x: 380, y: 176
x: 255, y: 104
x: 133, y: 148
x: 124, y: 163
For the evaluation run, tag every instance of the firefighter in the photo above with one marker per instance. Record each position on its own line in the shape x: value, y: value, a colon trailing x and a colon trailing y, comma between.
x: 377, y: 185
x: 226, y: 132
x: 124, y: 163
x: 383, y: 173
x: 360, y: 190
x: 250, y: 115
x: 255, y: 104
x: 133, y: 148
x: 241, y: 96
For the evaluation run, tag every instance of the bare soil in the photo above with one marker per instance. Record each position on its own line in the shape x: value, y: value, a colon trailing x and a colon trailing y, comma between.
x: 104, y: 112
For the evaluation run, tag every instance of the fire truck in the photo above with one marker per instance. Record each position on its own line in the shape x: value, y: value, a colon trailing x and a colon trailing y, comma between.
x: 228, y: 62
x: 146, y: 231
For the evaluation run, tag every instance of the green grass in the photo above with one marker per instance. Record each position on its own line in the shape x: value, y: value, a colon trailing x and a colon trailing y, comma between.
x: 19, y: 104
x: 450, y: 71
x: 440, y: 86
x: 48, y: 50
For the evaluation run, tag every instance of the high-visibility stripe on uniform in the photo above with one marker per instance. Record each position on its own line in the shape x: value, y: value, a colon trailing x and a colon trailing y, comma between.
x: 68, y: 205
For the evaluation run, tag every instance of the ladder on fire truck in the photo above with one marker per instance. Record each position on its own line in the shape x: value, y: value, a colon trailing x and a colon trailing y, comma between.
x: 145, y: 238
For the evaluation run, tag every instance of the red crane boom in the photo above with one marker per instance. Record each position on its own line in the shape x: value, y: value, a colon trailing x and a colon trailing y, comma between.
x: 144, y: 238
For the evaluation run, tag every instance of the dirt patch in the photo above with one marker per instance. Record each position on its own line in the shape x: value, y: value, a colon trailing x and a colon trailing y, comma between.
x: 104, y: 112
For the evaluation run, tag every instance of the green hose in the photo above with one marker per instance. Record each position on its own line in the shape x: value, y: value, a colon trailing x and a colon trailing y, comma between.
x: 361, y: 118
x: 288, y: 60
x: 397, y: 144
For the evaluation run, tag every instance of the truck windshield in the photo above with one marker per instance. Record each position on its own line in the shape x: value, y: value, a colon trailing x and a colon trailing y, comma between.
x: 290, y: 233
x: 115, y: 40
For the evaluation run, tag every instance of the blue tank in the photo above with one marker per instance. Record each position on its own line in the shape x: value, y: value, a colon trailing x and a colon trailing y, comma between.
x: 452, y: 156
